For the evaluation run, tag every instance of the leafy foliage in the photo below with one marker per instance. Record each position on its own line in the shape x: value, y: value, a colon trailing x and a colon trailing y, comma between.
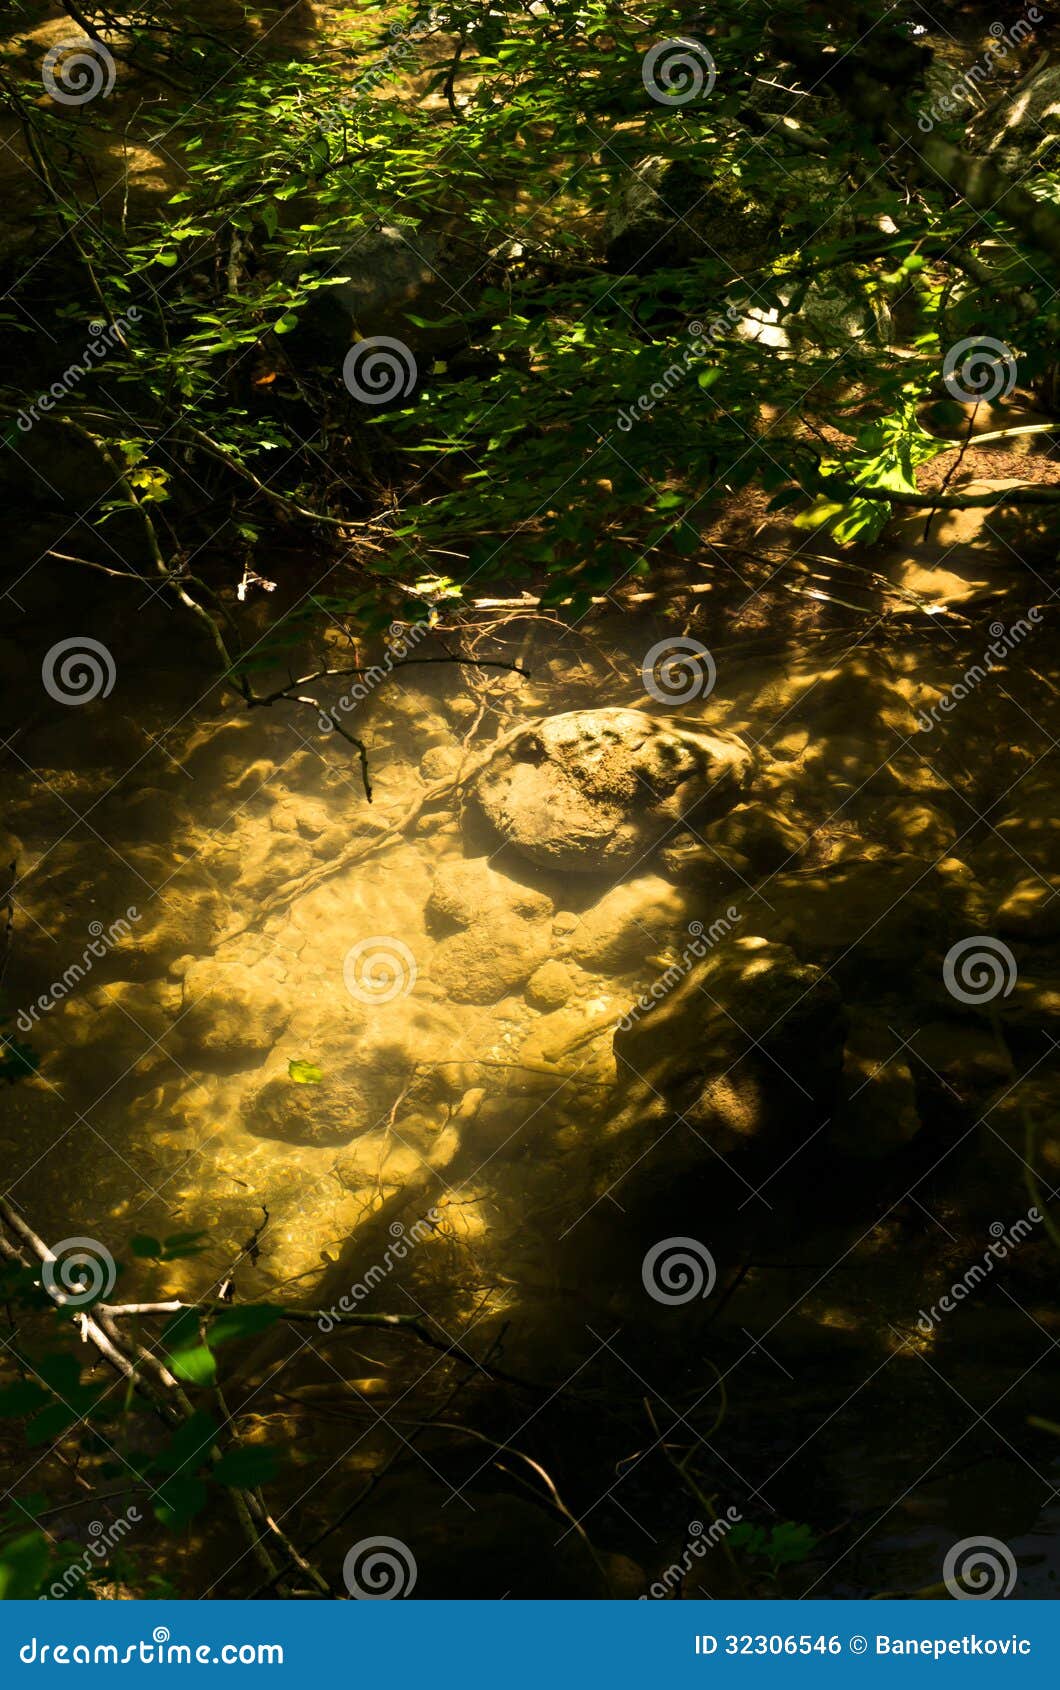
x: 525, y: 445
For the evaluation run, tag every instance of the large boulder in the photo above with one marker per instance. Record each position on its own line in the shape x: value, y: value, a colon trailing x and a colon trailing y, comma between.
x: 382, y: 277
x: 596, y: 790
x: 667, y: 213
x: 1020, y: 131
x: 664, y: 214
x: 491, y: 958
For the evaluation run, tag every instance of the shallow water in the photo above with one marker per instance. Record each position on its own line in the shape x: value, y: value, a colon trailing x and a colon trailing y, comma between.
x: 477, y: 1153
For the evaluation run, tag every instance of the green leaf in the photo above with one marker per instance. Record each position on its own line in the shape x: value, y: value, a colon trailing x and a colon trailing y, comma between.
x: 190, y: 1359
x: 194, y: 1366
x: 243, y: 1320
x: 23, y: 1397
x: 179, y: 1500
x: 252, y: 1464
x: 24, y: 1563
x: 304, y: 1073
x: 190, y: 1445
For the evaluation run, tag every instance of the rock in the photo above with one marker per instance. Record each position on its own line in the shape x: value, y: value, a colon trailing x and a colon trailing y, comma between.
x: 491, y: 957
x: 909, y: 824
x: 765, y: 839
x: 389, y: 272
x: 229, y: 1012
x: 466, y: 889
x: 401, y: 1050
x: 879, y: 1113
x: 747, y: 1045
x: 595, y: 790
x: 550, y: 986
x: 333, y: 1112
x: 441, y: 762
x: 666, y: 214
x: 1031, y: 910
x: 892, y: 920
x: 827, y: 314
x: 1022, y: 129
x: 662, y: 210
x: 634, y: 919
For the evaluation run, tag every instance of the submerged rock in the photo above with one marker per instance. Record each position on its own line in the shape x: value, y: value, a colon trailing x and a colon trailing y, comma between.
x: 229, y: 1013
x: 634, y: 919
x: 595, y: 790
x: 748, y: 1045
